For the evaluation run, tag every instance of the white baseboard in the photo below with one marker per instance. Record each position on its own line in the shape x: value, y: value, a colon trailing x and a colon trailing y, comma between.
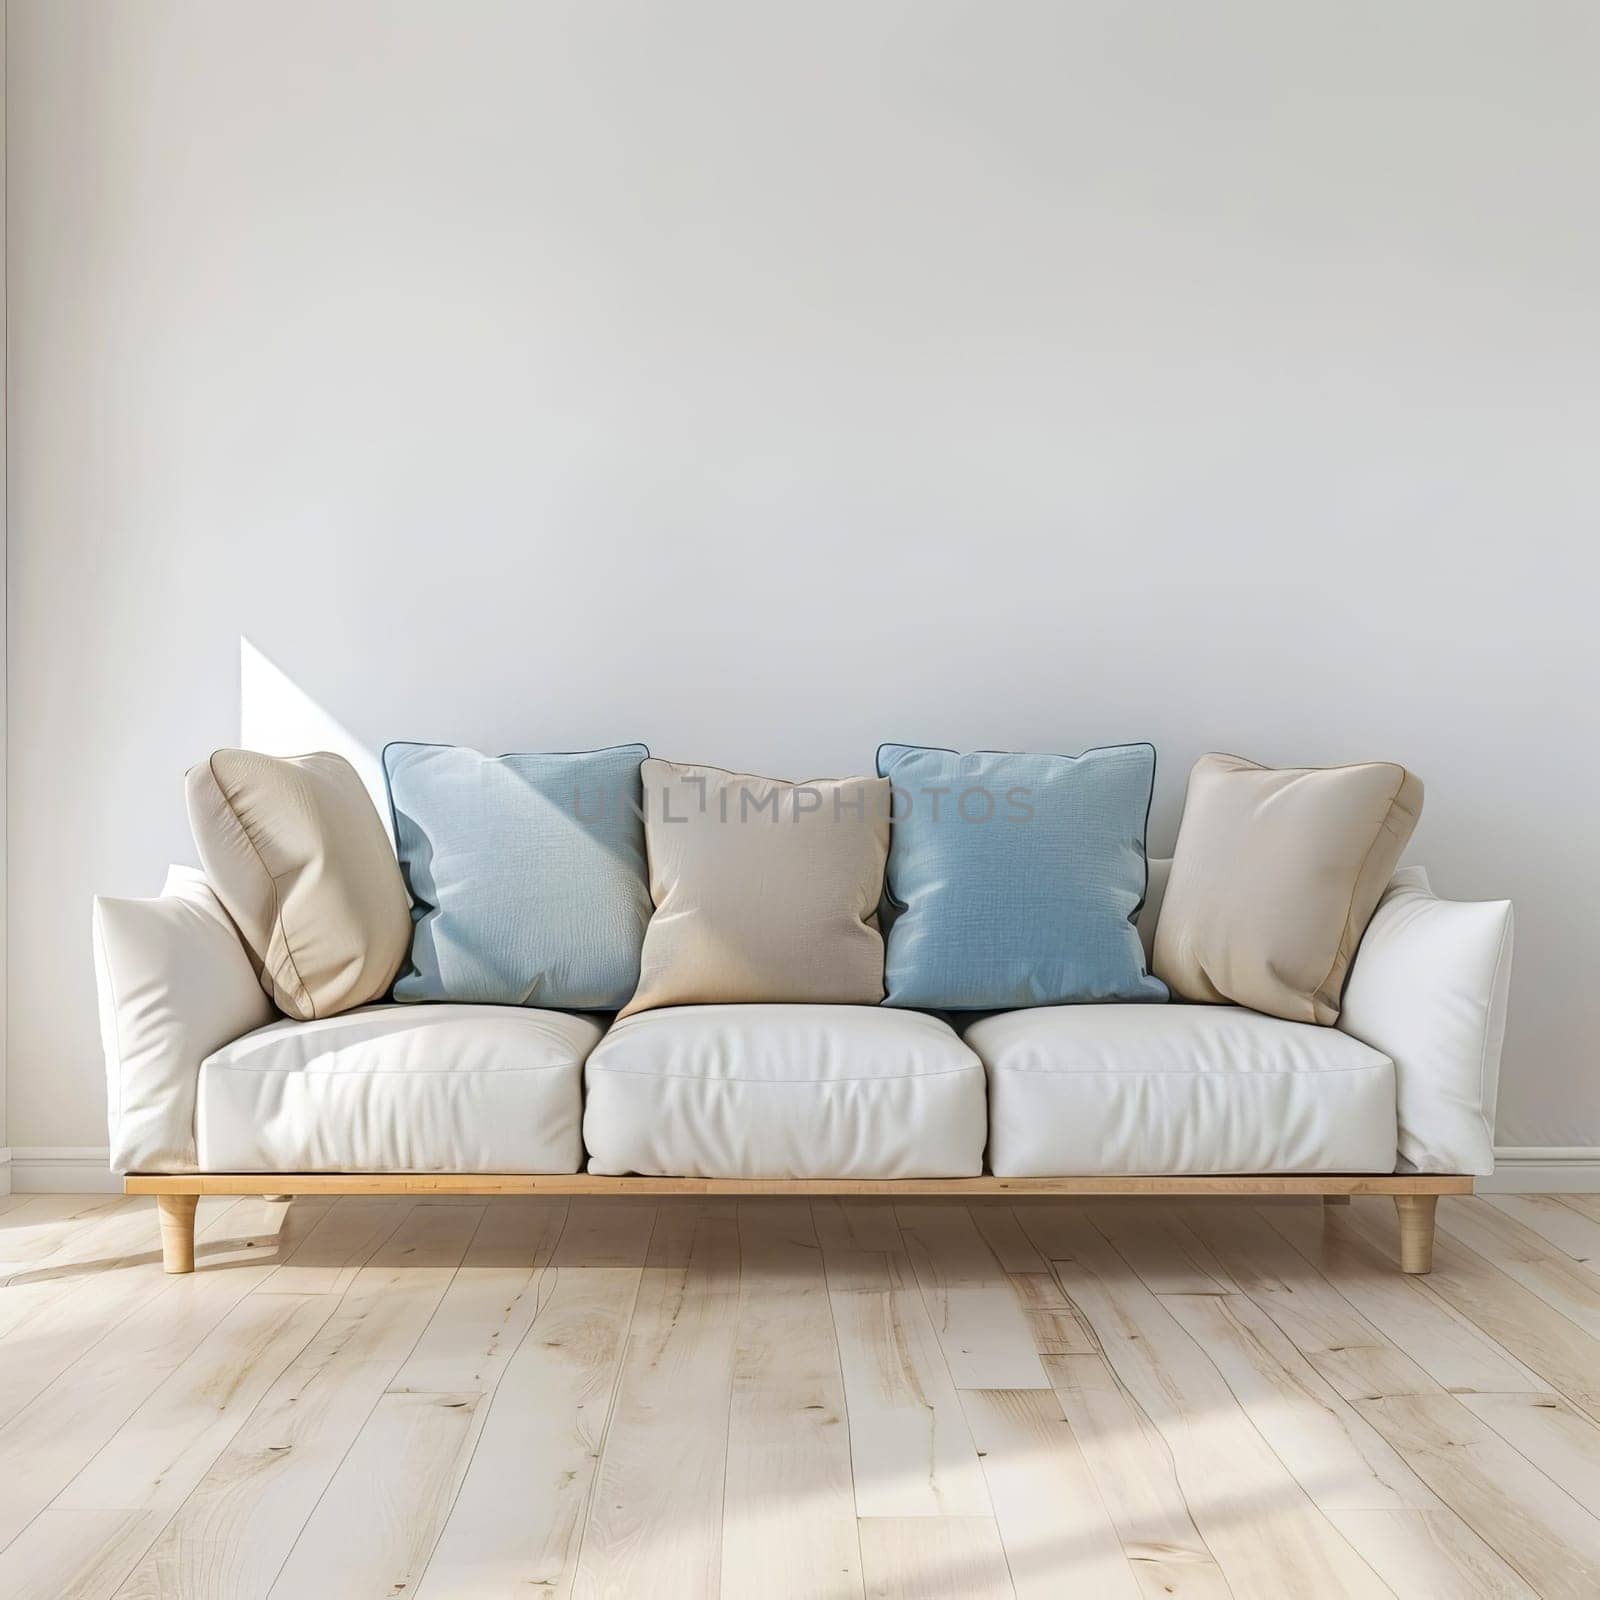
x: 1519, y: 1169
x: 1544, y: 1169
x: 51, y: 1169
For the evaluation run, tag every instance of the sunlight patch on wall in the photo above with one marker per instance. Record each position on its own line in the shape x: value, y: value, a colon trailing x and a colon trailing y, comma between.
x: 278, y: 717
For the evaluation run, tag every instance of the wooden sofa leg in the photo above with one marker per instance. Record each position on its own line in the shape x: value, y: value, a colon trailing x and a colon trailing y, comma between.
x: 177, y: 1231
x: 1416, y: 1230
x: 1336, y: 1199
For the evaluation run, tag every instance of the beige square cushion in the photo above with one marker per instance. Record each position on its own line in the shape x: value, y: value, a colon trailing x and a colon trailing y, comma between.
x: 1276, y: 874
x: 297, y: 854
x: 764, y: 891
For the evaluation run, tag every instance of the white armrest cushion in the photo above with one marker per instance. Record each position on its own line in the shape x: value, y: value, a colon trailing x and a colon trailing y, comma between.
x: 1428, y: 988
x: 175, y: 984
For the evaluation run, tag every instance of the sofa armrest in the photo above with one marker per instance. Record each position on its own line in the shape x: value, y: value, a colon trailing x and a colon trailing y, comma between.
x: 175, y: 984
x: 1428, y: 988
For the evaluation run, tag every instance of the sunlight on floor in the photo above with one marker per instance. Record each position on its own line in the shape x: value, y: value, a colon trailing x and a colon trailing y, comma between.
x: 455, y: 1396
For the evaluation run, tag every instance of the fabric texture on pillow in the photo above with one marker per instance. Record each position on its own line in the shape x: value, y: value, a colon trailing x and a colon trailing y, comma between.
x: 1276, y: 874
x: 298, y: 855
x: 764, y: 891
x: 526, y: 872
x: 1016, y: 879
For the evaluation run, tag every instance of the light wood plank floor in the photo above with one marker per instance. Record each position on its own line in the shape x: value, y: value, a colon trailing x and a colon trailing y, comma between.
x: 461, y: 1399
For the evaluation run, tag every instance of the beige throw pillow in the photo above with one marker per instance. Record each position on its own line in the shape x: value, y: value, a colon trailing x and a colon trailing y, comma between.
x: 1276, y: 874
x: 296, y: 852
x: 764, y: 891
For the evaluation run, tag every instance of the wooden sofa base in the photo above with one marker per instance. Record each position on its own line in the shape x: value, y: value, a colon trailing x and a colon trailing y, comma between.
x: 1416, y: 1196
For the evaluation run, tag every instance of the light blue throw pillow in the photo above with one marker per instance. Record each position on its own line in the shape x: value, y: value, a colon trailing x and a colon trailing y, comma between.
x: 527, y: 875
x: 1015, y: 879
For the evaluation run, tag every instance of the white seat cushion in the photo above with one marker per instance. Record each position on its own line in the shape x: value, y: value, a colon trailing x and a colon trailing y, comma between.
x: 399, y: 1088
x: 1173, y: 1089
x: 784, y: 1091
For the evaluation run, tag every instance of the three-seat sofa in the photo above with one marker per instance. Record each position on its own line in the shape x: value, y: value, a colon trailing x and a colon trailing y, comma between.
x: 208, y: 1095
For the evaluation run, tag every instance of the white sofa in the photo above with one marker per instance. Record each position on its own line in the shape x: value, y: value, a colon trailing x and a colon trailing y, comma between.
x: 209, y: 1089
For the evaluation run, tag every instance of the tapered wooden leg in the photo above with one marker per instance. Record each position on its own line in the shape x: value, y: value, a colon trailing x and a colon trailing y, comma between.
x: 1336, y: 1199
x: 177, y: 1231
x: 1416, y: 1230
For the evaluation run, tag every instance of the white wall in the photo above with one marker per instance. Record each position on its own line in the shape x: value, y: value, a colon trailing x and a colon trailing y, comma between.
x: 763, y: 381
